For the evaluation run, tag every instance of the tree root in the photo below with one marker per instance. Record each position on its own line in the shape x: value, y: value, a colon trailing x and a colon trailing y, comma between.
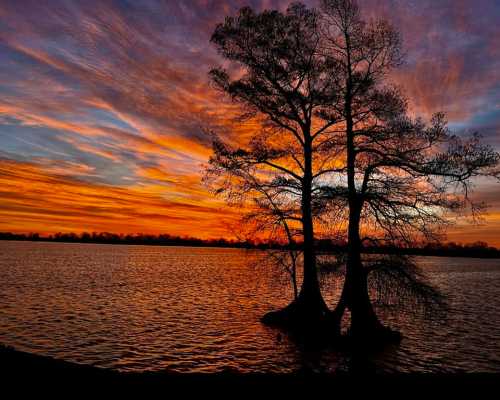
x: 297, y: 319
x: 322, y: 327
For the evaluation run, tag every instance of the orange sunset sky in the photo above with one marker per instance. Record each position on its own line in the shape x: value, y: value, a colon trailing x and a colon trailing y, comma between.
x: 104, y: 105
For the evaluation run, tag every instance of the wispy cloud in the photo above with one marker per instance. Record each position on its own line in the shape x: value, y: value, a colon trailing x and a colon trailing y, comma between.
x: 104, y: 104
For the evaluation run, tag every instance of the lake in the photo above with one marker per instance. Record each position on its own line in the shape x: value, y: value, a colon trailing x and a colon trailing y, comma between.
x: 137, y: 308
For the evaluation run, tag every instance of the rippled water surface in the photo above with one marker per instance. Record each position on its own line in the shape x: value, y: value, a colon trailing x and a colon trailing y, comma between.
x: 198, y: 309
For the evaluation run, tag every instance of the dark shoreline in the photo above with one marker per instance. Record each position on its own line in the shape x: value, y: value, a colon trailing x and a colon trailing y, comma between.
x: 21, y: 372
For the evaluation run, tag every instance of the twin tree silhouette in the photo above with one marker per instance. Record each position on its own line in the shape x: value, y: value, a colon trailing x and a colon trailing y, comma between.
x: 338, y: 153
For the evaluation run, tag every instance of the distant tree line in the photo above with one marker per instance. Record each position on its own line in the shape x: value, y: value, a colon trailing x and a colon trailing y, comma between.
x: 139, y: 239
x: 478, y: 249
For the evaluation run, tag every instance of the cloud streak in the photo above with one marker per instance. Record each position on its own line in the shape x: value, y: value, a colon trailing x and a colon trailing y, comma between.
x: 104, y: 105
x: 58, y: 201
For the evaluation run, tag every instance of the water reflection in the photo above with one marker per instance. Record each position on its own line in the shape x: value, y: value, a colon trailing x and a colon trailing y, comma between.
x: 197, y: 310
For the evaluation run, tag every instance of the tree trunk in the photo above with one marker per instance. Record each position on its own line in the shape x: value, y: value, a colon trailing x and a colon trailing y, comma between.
x: 310, y: 294
x: 355, y: 296
x: 364, y: 321
x: 309, y: 310
x: 365, y: 327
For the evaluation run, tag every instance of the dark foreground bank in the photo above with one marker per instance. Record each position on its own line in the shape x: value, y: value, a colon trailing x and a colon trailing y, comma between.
x: 22, y: 371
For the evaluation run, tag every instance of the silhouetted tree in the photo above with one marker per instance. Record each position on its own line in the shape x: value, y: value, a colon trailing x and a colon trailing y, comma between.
x: 285, y: 81
x: 402, y: 175
x: 337, y: 142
